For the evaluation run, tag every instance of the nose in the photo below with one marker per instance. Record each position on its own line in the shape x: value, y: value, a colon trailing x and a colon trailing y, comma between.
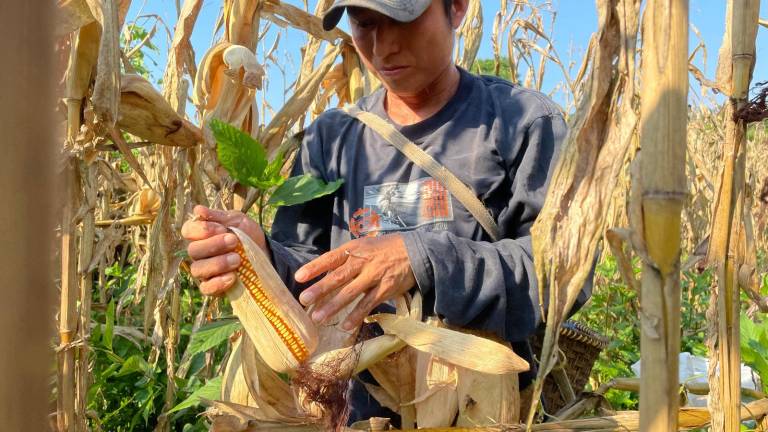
x: 386, y: 39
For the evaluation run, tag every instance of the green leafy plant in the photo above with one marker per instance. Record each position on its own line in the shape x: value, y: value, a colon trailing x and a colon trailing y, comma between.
x: 754, y: 347
x: 612, y: 311
x: 247, y: 162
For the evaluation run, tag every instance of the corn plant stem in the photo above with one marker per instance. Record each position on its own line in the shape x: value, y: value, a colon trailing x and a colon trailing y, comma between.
x: 728, y: 214
x: 88, y: 174
x: 662, y: 177
x: 68, y: 300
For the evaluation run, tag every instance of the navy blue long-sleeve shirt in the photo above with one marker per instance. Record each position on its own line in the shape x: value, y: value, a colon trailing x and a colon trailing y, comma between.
x: 499, y: 139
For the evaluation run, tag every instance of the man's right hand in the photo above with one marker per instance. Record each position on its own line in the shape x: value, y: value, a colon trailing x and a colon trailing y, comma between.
x: 211, y: 246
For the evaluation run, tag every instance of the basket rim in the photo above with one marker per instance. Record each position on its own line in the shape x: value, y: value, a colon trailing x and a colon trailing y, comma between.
x: 580, y: 332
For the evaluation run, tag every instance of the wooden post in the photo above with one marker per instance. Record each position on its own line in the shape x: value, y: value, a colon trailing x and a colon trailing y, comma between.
x: 26, y: 222
x: 662, y: 177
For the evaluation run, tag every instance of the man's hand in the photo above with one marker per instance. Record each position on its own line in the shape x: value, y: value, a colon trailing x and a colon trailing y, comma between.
x: 378, y: 267
x: 211, y: 246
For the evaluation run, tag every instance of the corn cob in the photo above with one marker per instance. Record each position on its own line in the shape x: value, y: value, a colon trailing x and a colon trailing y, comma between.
x: 273, y: 319
x: 253, y: 285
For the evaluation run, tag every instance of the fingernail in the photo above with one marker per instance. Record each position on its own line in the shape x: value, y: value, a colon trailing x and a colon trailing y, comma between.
x: 347, y: 326
x: 233, y: 259
x: 318, y: 316
x: 230, y: 240
x: 228, y: 279
x: 299, y: 275
x: 306, y: 298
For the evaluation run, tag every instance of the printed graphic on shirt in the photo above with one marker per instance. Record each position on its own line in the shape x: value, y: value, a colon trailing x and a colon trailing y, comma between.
x: 393, y: 207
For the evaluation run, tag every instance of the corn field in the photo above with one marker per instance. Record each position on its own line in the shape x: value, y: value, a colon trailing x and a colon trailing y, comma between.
x: 663, y: 172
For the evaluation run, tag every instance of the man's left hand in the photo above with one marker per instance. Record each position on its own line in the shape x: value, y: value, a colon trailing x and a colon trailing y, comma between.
x: 378, y: 267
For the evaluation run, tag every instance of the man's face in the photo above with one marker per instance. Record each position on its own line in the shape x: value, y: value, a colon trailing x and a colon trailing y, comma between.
x: 406, y: 57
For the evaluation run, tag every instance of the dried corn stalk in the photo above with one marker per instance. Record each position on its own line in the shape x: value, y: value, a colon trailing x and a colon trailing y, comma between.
x: 662, y: 193
x: 574, y: 215
x: 737, y: 58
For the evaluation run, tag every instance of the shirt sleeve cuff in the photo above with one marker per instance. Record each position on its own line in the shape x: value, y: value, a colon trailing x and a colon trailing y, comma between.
x: 420, y: 264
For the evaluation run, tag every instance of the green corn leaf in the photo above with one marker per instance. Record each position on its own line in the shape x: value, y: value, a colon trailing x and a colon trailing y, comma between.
x: 299, y: 189
x: 109, y: 327
x: 211, y: 390
x: 243, y: 157
x: 133, y: 364
x: 211, y: 335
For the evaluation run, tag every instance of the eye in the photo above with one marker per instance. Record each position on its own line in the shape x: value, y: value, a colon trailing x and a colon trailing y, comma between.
x: 365, y: 24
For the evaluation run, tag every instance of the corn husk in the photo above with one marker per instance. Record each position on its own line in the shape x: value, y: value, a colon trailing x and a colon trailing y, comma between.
x: 261, y: 332
x: 358, y: 357
x: 452, y: 346
x: 486, y: 399
x: 234, y: 387
x: 271, y: 393
x: 436, y: 400
x: 145, y: 113
x: 242, y: 66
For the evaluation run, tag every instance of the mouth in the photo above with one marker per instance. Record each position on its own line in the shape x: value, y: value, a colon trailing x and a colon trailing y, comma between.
x: 392, y: 71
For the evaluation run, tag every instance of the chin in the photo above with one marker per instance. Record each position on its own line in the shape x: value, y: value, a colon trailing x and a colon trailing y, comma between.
x: 400, y: 85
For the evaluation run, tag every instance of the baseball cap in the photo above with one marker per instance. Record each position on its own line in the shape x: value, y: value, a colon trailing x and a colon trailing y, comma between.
x: 399, y: 10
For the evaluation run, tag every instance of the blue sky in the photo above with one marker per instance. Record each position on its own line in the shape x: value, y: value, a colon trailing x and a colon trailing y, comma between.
x: 576, y: 20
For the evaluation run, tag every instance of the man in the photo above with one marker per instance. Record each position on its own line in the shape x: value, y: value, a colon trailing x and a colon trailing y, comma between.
x: 392, y: 228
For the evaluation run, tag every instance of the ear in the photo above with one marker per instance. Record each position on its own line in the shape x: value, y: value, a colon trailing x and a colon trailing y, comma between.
x: 458, y: 12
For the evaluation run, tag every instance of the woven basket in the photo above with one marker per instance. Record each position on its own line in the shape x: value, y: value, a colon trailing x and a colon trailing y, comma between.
x: 580, y: 347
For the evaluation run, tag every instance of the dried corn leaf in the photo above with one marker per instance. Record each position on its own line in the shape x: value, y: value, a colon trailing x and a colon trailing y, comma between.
x: 574, y: 215
x: 241, y: 21
x: 122, y: 146
x: 280, y: 13
x: 80, y: 67
x: 159, y: 239
x: 298, y: 104
x: 174, y: 89
x: 146, y: 114
x: 452, y: 346
x: 471, y: 34
x: 72, y: 15
x: 106, y: 90
x: 353, y: 70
